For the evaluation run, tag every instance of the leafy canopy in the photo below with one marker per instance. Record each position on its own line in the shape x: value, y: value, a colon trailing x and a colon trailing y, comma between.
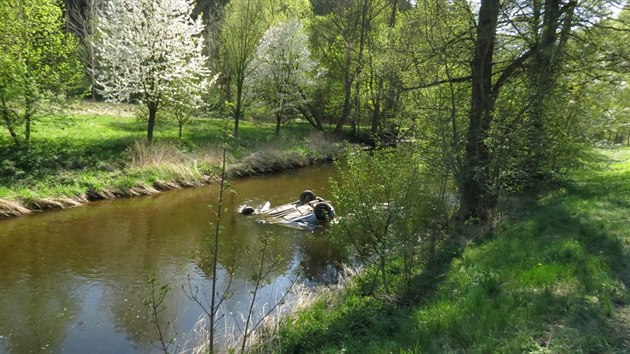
x: 37, y: 60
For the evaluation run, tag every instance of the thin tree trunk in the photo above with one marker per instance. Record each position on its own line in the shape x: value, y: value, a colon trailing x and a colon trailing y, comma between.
x: 347, y: 96
x: 28, y: 115
x: 278, y: 122
x: 543, y: 75
x: 152, y: 106
x: 392, y: 17
x: 238, y: 110
x: 9, y: 125
x: 311, y: 118
x: 376, y: 117
x: 348, y: 78
x: 215, y: 254
x: 357, y: 104
x: 27, y: 131
x: 92, y: 23
x: 254, y: 295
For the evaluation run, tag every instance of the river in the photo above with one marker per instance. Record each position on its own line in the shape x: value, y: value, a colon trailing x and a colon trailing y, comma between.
x: 76, y: 281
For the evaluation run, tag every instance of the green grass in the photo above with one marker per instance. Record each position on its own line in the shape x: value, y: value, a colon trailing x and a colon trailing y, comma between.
x: 99, y: 147
x: 554, y: 280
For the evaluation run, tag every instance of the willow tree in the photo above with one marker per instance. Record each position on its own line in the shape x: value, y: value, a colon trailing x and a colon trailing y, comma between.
x: 38, y: 63
x: 150, y: 51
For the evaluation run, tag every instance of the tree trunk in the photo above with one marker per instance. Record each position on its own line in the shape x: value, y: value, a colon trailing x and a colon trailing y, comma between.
x: 238, y: 109
x: 181, y: 127
x: 312, y: 120
x: 392, y: 17
x: 9, y: 125
x: 152, y: 106
x: 543, y: 76
x: 310, y: 113
x: 27, y: 131
x: 350, y: 77
x: 347, y: 96
x: 476, y: 192
x: 376, y: 117
x: 278, y: 122
x: 356, y: 121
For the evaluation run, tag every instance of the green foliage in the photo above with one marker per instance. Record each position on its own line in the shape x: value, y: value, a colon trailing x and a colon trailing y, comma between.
x: 393, y: 211
x: 551, y: 280
x: 38, y: 63
x: 342, y: 319
x: 605, y: 101
x: 73, y: 154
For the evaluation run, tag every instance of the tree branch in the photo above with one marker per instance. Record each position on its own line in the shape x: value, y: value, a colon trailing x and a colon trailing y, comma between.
x: 437, y: 83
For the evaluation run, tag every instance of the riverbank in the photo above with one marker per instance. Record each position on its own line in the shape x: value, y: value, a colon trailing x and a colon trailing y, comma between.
x: 91, y: 155
x: 553, y: 278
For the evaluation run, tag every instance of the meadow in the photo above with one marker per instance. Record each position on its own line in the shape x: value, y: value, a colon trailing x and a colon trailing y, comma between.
x: 98, y: 151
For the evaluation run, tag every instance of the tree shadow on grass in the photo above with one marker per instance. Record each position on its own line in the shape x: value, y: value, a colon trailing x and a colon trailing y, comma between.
x: 47, y: 158
x: 551, y: 281
x: 364, y: 323
x: 555, y: 280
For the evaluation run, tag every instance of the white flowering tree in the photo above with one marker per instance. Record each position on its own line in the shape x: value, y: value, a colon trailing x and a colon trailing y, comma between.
x: 150, y: 51
x: 184, y: 102
x: 283, y: 70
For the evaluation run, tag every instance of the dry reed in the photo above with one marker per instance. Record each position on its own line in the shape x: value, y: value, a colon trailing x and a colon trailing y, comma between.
x: 264, y: 338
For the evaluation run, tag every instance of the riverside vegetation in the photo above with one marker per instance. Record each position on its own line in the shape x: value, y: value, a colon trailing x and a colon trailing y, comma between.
x: 90, y: 155
x: 479, y: 232
x: 552, y: 278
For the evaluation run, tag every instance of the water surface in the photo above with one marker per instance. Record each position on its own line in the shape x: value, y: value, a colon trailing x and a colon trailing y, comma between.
x: 75, y: 281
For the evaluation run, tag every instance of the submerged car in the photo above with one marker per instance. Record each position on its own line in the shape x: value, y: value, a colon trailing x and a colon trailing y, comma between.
x: 305, y: 213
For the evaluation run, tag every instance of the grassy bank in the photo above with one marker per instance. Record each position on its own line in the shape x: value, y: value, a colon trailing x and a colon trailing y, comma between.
x: 97, y: 151
x: 553, y: 278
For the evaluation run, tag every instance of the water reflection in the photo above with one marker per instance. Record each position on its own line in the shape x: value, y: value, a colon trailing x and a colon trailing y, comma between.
x: 75, y: 280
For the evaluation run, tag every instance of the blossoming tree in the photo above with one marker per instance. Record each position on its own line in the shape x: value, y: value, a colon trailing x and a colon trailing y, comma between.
x: 283, y: 70
x: 150, y: 51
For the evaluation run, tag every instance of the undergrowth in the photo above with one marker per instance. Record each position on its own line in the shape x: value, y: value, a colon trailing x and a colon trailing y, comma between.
x: 552, y: 280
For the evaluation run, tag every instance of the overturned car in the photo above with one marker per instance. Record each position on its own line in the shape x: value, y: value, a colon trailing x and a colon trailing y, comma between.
x: 306, y: 213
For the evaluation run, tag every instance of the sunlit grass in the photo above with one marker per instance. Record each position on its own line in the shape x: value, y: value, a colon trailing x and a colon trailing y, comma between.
x: 100, y: 147
x: 553, y: 280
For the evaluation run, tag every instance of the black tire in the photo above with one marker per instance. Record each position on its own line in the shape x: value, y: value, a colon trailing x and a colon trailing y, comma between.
x: 307, y: 196
x: 323, y: 211
x: 247, y: 210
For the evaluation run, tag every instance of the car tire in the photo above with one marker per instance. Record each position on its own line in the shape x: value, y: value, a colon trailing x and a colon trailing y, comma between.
x: 323, y: 211
x: 307, y: 196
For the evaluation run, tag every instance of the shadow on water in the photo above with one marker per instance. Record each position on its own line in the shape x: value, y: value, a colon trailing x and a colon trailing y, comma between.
x: 76, y: 280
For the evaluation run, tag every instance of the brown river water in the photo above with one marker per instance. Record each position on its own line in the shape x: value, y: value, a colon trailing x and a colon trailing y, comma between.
x: 75, y: 281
